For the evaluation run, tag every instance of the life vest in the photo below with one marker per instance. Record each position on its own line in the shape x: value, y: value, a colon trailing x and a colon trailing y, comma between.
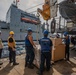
x: 13, y: 44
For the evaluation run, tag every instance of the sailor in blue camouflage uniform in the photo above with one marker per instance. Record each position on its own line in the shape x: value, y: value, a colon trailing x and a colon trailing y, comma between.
x: 46, y: 49
x: 67, y: 45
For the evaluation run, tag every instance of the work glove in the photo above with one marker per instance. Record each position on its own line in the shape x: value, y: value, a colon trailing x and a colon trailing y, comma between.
x: 35, y: 47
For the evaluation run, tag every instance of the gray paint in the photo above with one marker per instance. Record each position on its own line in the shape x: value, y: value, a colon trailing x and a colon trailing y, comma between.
x: 13, y: 20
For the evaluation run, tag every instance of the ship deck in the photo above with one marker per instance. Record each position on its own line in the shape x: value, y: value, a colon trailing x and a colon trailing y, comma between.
x: 59, y: 68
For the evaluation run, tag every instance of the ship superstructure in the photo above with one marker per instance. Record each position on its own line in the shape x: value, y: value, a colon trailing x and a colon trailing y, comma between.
x: 19, y: 21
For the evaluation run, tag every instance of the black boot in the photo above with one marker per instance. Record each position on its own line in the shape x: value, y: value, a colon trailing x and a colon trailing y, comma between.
x: 39, y: 73
x: 47, y: 69
x: 26, y: 65
x: 31, y: 66
x: 15, y: 64
x: 1, y: 63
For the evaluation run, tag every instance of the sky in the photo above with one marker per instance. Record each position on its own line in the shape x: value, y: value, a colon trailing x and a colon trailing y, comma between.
x: 23, y: 4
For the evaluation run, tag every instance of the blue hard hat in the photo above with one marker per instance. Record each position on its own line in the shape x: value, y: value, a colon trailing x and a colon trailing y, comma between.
x: 29, y: 30
x: 46, y: 32
x: 65, y: 33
